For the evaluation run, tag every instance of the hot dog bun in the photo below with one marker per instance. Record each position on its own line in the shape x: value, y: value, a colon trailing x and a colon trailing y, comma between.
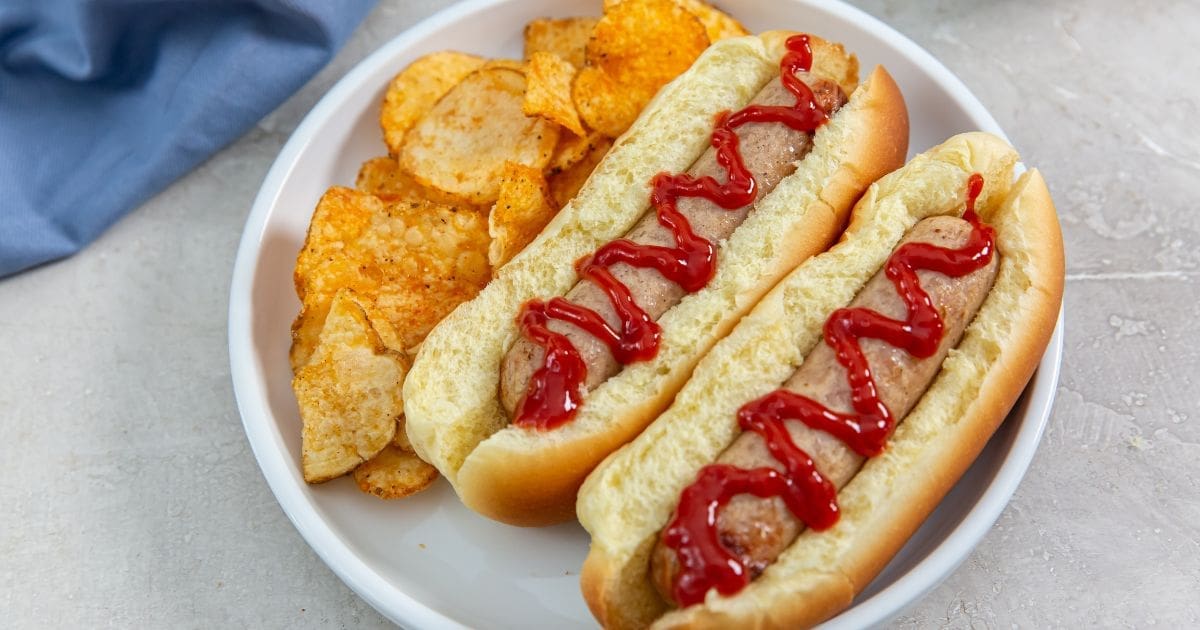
x: 629, y: 498
x: 526, y: 477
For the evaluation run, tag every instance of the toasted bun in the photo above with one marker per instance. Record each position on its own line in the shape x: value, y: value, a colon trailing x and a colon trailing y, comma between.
x: 630, y: 497
x: 523, y: 477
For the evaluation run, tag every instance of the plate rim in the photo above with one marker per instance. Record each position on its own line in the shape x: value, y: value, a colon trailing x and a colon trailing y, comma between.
x: 266, y: 442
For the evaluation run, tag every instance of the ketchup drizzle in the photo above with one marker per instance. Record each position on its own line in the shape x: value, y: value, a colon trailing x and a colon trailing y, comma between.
x: 556, y: 388
x: 705, y: 562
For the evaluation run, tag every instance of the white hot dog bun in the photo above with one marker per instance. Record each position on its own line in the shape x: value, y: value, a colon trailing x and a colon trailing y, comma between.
x: 629, y: 498
x: 529, y: 477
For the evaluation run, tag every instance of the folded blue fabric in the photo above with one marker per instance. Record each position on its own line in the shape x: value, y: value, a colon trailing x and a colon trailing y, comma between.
x: 105, y: 102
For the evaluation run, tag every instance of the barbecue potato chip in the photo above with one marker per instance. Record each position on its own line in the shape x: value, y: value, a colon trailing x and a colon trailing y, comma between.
x: 410, y: 263
x: 508, y: 64
x: 548, y: 91
x: 635, y: 49
x: 520, y: 213
x: 571, y: 150
x: 383, y: 178
x: 461, y: 145
x: 566, y: 38
x: 604, y: 103
x: 417, y: 87
x: 394, y: 473
x: 717, y: 24
x: 566, y: 184
x: 349, y: 393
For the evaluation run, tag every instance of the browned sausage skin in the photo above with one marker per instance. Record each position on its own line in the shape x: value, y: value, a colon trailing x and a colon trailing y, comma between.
x: 771, y: 152
x: 757, y: 530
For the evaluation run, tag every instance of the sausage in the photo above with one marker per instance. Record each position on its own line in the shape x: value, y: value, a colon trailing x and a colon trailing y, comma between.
x: 771, y: 152
x: 757, y: 530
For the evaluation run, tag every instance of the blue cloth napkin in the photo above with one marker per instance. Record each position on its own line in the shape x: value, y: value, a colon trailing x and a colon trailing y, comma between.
x: 105, y: 102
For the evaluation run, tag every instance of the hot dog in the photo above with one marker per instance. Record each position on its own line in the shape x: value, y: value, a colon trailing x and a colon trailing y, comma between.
x: 836, y: 405
x: 770, y: 151
x: 519, y: 393
x: 757, y: 530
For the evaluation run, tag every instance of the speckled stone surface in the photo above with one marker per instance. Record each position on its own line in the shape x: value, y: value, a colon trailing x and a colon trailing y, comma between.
x: 129, y: 496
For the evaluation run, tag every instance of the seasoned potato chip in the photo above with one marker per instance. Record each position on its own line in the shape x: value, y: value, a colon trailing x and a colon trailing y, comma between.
x: 565, y: 185
x: 461, y: 145
x: 635, y: 49
x: 548, y: 91
x: 394, y: 473
x: 383, y: 178
x: 417, y: 87
x: 717, y: 23
x: 349, y: 393
x: 571, y: 149
x: 604, y: 104
x: 566, y: 38
x: 507, y: 64
x: 409, y: 262
x: 521, y: 211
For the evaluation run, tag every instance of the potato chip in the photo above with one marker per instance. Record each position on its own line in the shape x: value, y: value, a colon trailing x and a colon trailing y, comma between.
x: 415, y: 90
x: 572, y: 149
x: 409, y: 262
x: 461, y: 145
x: 548, y: 91
x: 565, y: 185
x: 566, y: 38
x: 401, y: 438
x: 349, y: 393
x: 520, y: 213
x: 603, y: 104
x: 383, y: 178
x: 507, y: 64
x: 394, y: 473
x: 717, y: 23
x: 635, y: 49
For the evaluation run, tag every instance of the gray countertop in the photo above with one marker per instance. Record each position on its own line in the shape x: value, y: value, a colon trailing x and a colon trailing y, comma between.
x: 129, y: 496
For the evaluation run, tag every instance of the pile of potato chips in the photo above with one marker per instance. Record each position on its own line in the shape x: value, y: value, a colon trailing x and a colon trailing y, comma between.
x: 481, y: 155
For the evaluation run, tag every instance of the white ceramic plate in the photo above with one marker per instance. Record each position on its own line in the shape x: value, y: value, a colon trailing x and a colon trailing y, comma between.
x: 429, y: 562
